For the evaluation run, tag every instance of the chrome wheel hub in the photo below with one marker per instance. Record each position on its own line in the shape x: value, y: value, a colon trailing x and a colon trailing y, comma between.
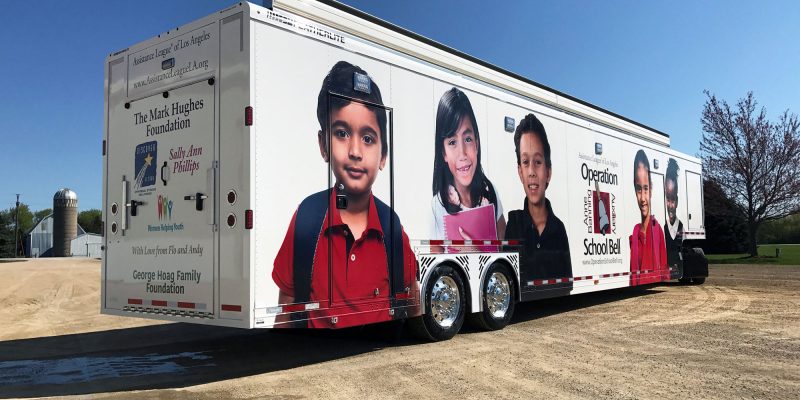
x: 445, y: 301
x: 498, y: 295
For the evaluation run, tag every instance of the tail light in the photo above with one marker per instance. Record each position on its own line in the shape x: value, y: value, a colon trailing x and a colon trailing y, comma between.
x: 248, y: 219
x: 248, y: 116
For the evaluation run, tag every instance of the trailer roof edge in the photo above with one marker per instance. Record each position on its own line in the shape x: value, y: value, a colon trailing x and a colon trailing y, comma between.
x: 430, y: 42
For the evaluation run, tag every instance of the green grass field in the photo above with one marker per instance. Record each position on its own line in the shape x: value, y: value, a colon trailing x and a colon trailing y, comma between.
x: 790, y: 255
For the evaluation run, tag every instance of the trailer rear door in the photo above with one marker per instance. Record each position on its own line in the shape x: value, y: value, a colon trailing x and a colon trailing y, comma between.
x: 161, y: 181
x: 694, y: 204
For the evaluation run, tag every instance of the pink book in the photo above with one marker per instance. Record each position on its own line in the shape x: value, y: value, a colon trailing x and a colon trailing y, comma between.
x: 478, y: 223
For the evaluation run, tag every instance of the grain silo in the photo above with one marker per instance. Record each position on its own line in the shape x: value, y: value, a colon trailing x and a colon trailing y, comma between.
x: 65, y: 221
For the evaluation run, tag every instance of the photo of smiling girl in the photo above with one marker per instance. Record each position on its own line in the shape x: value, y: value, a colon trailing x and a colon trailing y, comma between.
x: 545, y: 251
x: 648, y: 249
x: 464, y: 204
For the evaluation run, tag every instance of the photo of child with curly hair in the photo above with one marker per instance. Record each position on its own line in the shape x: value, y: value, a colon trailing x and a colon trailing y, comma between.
x: 673, y: 229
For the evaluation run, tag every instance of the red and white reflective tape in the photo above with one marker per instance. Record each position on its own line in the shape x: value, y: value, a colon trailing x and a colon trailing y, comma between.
x: 182, y: 304
x: 468, y: 242
x: 542, y: 282
x: 293, y: 308
x: 169, y: 304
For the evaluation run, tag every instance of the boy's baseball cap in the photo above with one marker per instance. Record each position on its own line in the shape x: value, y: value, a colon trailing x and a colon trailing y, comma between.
x: 349, y: 80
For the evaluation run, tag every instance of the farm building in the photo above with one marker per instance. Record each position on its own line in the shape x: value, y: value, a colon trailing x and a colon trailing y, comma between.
x: 39, y: 241
x: 59, y: 235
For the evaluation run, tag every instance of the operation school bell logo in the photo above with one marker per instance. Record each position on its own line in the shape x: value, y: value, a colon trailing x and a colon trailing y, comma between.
x: 164, y: 208
x: 600, y: 215
x: 599, y: 207
x: 145, y: 160
x: 602, y: 211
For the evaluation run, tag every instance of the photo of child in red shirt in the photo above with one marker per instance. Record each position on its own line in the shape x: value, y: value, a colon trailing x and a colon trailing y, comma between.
x: 340, y: 256
x: 648, y: 249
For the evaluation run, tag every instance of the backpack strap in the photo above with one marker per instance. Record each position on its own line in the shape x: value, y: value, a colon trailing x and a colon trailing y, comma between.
x: 307, y: 226
x: 393, y: 243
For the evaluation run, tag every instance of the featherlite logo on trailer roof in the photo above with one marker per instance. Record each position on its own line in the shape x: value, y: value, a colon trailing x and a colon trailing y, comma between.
x: 305, y: 26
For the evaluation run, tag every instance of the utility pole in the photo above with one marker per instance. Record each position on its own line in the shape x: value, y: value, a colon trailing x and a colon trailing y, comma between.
x: 16, y: 228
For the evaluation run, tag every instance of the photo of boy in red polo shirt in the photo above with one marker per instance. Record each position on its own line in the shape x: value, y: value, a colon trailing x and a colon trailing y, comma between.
x: 340, y: 256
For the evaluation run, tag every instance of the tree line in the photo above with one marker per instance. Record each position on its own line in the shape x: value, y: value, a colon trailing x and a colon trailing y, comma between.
x: 727, y: 231
x: 89, y: 220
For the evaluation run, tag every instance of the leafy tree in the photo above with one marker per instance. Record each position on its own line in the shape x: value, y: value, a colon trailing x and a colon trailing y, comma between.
x: 755, y: 162
x: 25, y: 223
x: 6, y: 234
x: 91, y: 221
x: 41, y: 214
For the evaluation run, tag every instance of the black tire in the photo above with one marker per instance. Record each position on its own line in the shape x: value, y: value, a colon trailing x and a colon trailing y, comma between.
x: 486, y: 319
x: 433, y: 325
x: 685, y: 280
x: 698, y: 281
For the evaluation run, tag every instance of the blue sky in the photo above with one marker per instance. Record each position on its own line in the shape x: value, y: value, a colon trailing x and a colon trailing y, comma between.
x: 648, y: 61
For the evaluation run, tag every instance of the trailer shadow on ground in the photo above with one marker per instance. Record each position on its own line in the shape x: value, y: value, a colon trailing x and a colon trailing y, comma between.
x: 543, y: 308
x: 179, y: 355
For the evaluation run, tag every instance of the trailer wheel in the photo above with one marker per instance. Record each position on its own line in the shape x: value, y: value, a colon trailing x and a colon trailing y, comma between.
x: 696, y: 266
x: 498, y: 298
x: 445, y: 304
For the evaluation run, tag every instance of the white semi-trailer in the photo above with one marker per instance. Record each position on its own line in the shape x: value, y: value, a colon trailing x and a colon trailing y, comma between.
x: 308, y: 165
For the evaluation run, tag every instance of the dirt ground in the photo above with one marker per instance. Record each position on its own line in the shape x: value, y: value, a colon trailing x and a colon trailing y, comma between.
x: 736, y: 337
